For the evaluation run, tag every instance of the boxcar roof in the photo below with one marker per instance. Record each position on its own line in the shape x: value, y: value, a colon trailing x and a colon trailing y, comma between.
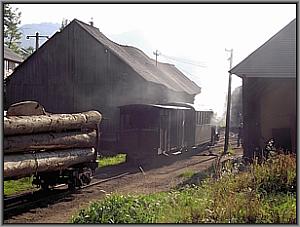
x: 135, y: 106
x: 275, y: 58
x: 165, y: 74
x: 190, y: 105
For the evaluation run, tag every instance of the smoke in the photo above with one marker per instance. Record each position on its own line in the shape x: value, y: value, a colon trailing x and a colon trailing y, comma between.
x: 236, y: 107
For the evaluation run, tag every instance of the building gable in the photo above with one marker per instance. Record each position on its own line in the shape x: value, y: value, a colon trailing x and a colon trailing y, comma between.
x: 164, y: 74
x: 275, y: 58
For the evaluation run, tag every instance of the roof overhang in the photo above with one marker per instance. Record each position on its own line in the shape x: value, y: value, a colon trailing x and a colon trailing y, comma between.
x: 274, y: 59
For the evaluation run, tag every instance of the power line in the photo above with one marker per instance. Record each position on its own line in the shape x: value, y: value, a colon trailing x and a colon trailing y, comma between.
x: 181, y: 60
x: 187, y: 72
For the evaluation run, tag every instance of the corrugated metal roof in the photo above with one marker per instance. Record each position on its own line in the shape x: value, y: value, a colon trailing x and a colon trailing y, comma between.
x: 275, y: 58
x: 165, y: 74
x: 12, y: 56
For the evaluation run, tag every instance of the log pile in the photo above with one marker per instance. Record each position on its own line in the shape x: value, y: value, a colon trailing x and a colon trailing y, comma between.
x: 48, y: 142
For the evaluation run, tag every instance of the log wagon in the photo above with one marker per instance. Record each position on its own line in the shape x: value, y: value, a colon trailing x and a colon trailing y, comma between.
x: 53, y: 148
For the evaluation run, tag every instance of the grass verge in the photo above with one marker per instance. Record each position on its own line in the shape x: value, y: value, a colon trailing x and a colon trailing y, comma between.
x: 264, y: 193
x: 15, y: 186
x: 187, y: 174
x: 111, y: 160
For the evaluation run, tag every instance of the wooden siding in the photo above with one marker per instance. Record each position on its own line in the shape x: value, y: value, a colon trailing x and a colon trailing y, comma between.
x: 278, y: 109
x: 73, y: 72
x: 267, y: 104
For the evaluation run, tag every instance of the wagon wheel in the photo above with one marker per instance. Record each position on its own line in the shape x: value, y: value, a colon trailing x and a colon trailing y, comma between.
x: 75, y: 180
x: 85, y: 176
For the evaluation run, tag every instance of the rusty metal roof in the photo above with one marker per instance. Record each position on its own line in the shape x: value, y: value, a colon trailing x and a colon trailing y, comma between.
x: 275, y: 58
x: 165, y: 74
x: 12, y: 56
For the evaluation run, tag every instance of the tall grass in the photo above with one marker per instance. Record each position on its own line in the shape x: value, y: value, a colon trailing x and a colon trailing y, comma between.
x: 264, y: 193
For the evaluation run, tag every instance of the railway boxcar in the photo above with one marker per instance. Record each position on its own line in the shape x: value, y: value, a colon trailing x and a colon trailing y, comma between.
x: 201, y: 123
x: 147, y: 131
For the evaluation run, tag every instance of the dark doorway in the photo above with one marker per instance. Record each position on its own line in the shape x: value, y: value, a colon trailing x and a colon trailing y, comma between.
x: 282, y: 138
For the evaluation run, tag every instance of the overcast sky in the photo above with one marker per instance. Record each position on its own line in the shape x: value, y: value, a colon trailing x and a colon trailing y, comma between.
x: 193, y: 32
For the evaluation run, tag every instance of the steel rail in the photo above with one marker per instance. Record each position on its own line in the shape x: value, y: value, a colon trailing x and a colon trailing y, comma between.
x: 19, y: 202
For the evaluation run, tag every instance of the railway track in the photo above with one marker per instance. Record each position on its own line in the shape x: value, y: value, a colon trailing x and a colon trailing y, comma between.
x: 17, y: 204
x: 14, y: 205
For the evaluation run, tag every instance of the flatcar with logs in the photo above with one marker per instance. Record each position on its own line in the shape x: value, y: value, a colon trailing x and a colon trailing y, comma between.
x: 147, y: 131
x: 53, y: 148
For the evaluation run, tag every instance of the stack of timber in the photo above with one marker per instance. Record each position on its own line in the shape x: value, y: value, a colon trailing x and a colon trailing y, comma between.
x: 48, y: 142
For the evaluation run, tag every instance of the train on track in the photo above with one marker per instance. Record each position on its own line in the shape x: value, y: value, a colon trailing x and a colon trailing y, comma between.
x: 62, y: 148
x: 147, y: 131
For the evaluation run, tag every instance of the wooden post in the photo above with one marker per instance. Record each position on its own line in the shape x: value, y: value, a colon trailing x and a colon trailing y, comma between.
x: 228, y: 107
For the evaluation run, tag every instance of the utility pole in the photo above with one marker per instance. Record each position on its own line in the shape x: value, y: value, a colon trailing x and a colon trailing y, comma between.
x: 228, y: 105
x: 37, y: 36
x: 156, y: 53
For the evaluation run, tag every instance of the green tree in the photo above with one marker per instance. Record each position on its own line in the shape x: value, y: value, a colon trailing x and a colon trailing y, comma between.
x: 26, y: 52
x: 12, y: 33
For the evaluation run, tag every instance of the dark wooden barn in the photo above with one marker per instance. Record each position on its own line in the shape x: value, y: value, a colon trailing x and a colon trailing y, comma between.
x: 269, y: 93
x: 79, y: 69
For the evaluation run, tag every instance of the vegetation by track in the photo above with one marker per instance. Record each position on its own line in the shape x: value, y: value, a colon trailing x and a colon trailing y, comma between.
x: 258, y: 193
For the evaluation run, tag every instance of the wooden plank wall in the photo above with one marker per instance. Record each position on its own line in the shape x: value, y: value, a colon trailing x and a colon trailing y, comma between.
x: 72, y: 72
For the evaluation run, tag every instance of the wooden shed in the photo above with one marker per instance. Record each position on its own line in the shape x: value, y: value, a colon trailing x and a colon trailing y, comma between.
x: 269, y: 93
x: 80, y: 69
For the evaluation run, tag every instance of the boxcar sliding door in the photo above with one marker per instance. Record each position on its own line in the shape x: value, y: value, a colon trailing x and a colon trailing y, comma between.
x: 164, y: 129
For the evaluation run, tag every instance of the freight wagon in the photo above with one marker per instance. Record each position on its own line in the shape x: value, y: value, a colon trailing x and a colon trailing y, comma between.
x: 53, y: 148
x: 147, y: 131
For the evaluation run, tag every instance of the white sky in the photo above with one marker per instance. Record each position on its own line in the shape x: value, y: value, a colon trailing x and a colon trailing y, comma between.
x: 198, y: 32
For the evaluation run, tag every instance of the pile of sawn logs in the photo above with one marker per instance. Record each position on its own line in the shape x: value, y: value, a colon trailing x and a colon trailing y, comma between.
x: 50, y: 142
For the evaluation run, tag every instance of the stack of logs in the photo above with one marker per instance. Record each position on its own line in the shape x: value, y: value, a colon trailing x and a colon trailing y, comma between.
x: 49, y: 142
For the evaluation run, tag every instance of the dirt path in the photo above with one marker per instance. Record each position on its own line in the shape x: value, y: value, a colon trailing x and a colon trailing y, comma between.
x: 159, y: 178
